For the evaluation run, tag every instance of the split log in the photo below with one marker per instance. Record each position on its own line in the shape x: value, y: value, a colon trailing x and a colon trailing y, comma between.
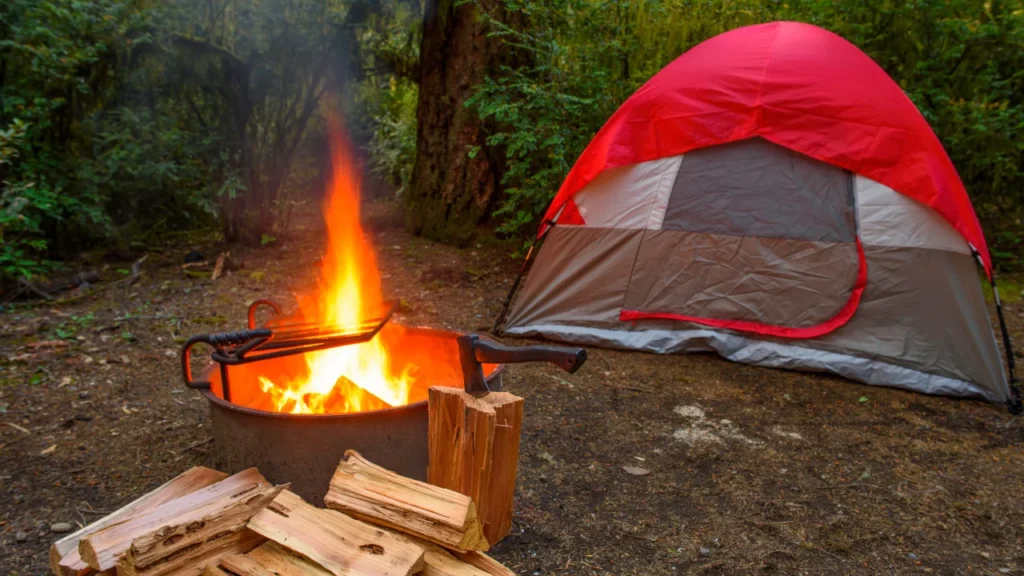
x: 272, y: 559
x: 474, y: 450
x: 242, y: 565
x: 101, y: 549
x: 366, y: 491
x: 440, y: 561
x: 246, y: 541
x: 342, y: 545
x: 64, y: 557
x: 484, y: 563
x: 195, y: 535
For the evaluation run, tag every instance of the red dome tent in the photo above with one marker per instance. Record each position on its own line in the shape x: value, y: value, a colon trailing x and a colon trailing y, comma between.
x: 774, y: 196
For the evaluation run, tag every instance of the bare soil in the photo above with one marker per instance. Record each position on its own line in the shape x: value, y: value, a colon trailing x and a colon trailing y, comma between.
x: 748, y: 470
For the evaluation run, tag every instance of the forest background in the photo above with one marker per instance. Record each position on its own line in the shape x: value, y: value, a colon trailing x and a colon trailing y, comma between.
x: 124, y: 121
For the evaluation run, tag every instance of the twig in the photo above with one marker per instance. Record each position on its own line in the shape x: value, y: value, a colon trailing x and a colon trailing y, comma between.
x: 14, y: 294
x: 88, y: 511
x: 218, y: 267
x: 633, y: 388
x: 852, y: 484
x: 35, y: 290
x: 562, y: 380
x: 137, y: 269
x: 135, y: 276
x: 195, y: 445
x: 820, y: 549
x: 602, y: 359
x: 18, y: 428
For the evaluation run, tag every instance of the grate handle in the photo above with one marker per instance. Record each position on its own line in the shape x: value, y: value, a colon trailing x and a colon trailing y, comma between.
x: 247, y: 339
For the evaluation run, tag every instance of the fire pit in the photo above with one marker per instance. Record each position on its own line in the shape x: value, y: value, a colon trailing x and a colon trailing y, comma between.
x: 304, y: 449
x: 291, y: 396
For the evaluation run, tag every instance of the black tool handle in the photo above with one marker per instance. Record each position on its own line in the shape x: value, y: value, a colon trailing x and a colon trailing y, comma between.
x: 568, y: 359
x: 218, y: 341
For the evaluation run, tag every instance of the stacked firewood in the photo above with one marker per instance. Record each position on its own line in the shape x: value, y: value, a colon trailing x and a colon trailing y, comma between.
x: 206, y: 523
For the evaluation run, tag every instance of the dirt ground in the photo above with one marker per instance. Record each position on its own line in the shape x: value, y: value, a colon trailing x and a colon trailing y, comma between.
x: 749, y: 470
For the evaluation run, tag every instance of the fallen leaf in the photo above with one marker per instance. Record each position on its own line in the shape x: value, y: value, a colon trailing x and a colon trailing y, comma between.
x: 546, y: 457
x: 863, y: 400
x: 49, y: 450
x: 124, y: 408
x: 64, y: 381
x: 636, y: 470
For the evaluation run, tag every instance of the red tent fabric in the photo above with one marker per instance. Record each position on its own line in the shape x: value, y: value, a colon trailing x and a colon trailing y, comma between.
x: 793, y: 84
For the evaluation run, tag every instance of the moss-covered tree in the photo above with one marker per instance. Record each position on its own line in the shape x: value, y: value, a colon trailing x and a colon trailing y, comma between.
x: 454, y: 180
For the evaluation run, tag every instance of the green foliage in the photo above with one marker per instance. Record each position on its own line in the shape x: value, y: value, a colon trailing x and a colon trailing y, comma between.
x: 392, y: 146
x: 389, y: 93
x: 58, y: 60
x: 960, y: 61
x: 89, y: 150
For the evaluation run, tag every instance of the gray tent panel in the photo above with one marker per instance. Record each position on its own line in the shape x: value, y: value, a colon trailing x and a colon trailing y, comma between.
x: 756, y: 188
x: 777, y: 281
x: 578, y: 277
x: 923, y: 309
x: 921, y: 323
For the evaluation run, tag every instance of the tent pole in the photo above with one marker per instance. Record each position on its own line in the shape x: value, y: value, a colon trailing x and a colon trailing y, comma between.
x: 519, y: 278
x: 1015, y: 403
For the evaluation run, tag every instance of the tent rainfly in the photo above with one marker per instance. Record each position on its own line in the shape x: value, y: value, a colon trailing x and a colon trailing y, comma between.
x: 772, y: 195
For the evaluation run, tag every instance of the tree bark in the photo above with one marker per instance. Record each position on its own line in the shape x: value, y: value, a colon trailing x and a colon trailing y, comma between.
x: 451, y: 193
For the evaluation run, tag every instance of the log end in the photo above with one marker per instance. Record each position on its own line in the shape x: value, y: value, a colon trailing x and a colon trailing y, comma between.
x: 89, y: 556
x: 473, y: 538
x: 55, y: 558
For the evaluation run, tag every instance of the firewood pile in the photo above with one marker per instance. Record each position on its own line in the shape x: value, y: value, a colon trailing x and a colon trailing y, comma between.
x: 208, y: 523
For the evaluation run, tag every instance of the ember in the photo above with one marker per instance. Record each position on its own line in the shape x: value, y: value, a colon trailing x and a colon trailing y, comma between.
x: 354, y: 378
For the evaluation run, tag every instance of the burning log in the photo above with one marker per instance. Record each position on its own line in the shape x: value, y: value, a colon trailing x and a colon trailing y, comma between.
x: 346, y: 396
x: 474, y: 450
x: 341, y: 545
x: 64, y: 557
x: 371, y: 493
x: 101, y: 549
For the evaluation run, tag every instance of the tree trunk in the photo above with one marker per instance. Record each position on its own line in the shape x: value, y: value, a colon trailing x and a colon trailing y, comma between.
x: 450, y: 192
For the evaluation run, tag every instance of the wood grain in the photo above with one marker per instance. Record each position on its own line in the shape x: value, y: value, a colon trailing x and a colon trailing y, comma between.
x: 474, y: 450
x: 366, y: 491
x: 102, y: 549
x: 188, y: 537
x: 342, y: 545
x: 64, y: 557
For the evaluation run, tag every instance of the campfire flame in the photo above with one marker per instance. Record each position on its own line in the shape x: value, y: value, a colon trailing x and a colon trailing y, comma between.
x: 357, y: 377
